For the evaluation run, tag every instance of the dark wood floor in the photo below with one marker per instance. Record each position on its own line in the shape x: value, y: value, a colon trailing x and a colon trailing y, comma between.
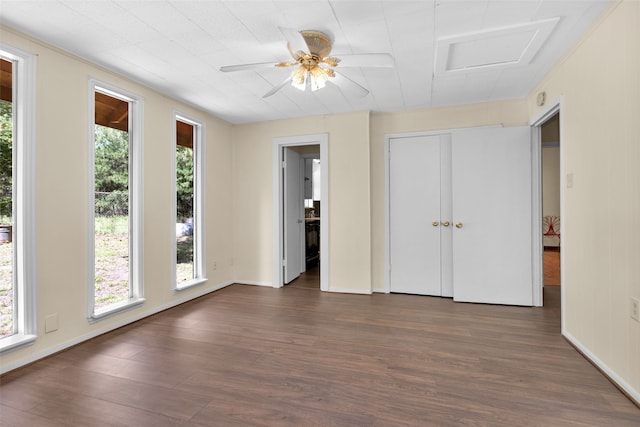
x: 249, y: 355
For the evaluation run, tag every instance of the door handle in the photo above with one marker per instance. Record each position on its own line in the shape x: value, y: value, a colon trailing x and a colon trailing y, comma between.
x: 446, y: 223
x: 435, y: 223
x: 458, y: 225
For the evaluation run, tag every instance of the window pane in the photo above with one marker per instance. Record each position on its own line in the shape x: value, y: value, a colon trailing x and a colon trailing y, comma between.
x: 185, y: 269
x: 17, y: 189
x: 111, y: 220
x: 7, y: 263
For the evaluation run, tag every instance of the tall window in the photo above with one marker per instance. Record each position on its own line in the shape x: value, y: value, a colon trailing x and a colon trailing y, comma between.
x: 189, y: 267
x: 7, y: 260
x: 17, y: 216
x: 115, y: 238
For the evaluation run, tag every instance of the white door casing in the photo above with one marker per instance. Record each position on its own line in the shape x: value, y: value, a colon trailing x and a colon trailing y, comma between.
x: 492, y: 202
x: 278, y: 204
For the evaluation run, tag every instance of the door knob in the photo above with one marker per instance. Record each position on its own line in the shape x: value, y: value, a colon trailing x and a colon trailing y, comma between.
x: 458, y: 225
x: 435, y: 223
x: 446, y: 223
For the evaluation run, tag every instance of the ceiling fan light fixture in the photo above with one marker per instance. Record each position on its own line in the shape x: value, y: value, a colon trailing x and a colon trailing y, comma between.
x: 299, y: 78
x: 314, y: 67
x: 318, y: 82
x: 319, y: 77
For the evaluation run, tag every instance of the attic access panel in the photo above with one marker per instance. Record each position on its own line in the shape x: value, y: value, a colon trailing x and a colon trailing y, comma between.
x: 503, y: 47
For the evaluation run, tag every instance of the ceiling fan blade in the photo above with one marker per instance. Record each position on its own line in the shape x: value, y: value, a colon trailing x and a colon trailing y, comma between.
x: 277, y: 88
x: 241, y: 67
x: 348, y: 86
x: 366, y: 60
x: 295, y: 41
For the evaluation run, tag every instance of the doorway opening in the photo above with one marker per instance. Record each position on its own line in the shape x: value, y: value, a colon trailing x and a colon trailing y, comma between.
x: 551, y: 224
x: 547, y: 131
x: 301, y: 226
x: 304, y: 202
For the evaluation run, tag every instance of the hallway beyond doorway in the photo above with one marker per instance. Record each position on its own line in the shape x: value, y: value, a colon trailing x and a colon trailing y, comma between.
x: 310, y: 279
x: 551, y: 267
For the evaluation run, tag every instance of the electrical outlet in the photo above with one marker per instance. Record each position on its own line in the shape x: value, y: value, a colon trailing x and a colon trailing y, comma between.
x: 215, y: 265
x: 635, y: 309
x: 50, y: 323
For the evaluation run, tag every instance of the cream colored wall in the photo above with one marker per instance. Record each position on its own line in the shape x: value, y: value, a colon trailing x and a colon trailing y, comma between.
x: 349, y: 180
x: 600, y: 89
x: 61, y: 186
x: 349, y: 203
x: 506, y: 113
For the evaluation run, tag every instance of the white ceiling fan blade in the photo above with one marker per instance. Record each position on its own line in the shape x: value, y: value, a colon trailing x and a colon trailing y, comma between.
x: 366, y: 60
x: 241, y: 67
x: 348, y: 86
x: 295, y: 41
x: 277, y: 88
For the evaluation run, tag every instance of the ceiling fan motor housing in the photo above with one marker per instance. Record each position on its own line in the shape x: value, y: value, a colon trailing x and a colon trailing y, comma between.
x: 318, y: 43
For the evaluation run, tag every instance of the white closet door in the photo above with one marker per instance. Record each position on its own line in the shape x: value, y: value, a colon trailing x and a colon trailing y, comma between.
x: 492, y: 251
x: 414, y: 203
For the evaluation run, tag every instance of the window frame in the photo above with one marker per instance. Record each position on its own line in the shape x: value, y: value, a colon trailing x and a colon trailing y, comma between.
x: 136, y: 201
x: 24, y: 206
x: 199, y: 264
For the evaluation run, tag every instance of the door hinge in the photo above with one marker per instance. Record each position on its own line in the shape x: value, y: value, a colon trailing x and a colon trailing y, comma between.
x: 284, y: 164
x: 284, y: 262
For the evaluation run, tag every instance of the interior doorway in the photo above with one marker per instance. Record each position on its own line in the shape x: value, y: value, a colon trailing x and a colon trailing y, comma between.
x: 301, y: 221
x: 551, y: 224
x: 547, y: 134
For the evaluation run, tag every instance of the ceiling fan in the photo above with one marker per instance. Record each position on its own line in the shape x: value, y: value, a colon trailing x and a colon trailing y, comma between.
x: 314, y: 67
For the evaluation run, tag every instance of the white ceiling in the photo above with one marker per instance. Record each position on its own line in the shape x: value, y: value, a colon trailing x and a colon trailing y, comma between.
x: 178, y: 47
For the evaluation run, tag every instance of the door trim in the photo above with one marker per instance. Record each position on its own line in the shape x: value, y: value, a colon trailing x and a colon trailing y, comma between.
x: 278, y: 250
x: 536, y: 123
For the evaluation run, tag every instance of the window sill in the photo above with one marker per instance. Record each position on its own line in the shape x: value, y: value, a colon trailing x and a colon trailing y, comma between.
x: 115, y: 309
x: 190, y: 284
x: 14, y: 342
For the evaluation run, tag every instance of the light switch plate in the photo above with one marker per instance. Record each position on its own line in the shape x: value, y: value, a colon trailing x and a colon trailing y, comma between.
x: 570, y: 180
x: 635, y: 309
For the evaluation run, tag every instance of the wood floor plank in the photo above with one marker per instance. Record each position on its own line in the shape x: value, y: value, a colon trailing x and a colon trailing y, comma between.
x: 11, y: 417
x: 88, y: 411
x: 255, y: 356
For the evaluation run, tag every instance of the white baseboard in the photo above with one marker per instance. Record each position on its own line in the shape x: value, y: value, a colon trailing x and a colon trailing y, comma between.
x: 52, y: 350
x: 632, y: 393
x: 336, y: 290
x: 254, y: 283
x: 350, y: 291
